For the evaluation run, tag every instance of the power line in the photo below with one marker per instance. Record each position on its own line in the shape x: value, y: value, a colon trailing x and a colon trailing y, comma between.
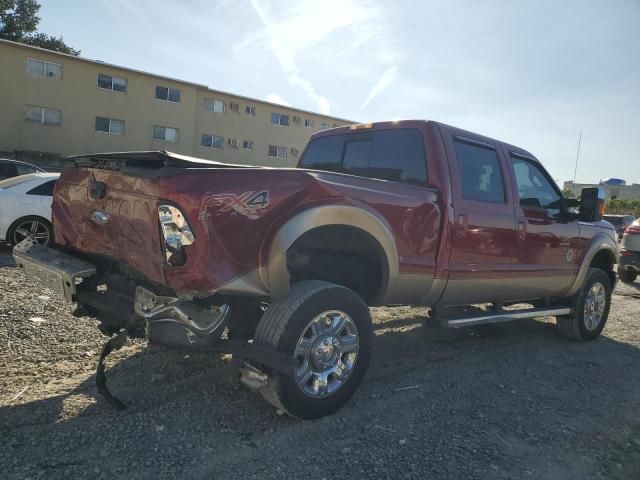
x: 575, y: 171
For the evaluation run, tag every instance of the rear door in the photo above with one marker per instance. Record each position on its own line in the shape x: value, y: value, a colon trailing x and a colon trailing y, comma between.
x: 548, y: 243
x: 483, y: 239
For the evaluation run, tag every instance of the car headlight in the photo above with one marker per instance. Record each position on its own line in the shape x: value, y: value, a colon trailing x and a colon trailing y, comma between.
x: 176, y: 234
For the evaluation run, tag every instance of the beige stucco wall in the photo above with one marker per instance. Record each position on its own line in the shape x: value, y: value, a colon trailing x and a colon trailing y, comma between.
x: 80, y: 100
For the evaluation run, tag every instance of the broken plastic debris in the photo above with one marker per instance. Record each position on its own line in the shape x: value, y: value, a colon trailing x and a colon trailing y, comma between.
x: 37, y: 319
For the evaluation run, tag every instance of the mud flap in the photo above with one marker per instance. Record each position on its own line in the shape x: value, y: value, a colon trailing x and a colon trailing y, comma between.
x: 114, y: 343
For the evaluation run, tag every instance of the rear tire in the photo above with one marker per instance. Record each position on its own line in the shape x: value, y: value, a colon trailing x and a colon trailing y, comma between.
x: 591, y: 308
x: 626, y: 276
x: 327, y: 329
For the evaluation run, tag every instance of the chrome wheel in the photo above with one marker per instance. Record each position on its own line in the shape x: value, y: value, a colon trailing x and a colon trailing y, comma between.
x: 594, y: 306
x: 34, y: 229
x: 326, y: 353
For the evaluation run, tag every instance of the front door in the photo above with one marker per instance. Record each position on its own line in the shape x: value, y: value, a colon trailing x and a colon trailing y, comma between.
x: 547, y: 245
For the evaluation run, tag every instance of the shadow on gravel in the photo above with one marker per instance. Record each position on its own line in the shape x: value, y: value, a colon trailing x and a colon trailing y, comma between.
x: 500, y: 396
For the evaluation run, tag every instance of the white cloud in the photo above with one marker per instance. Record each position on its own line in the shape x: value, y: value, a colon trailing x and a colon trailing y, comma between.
x: 332, y: 41
x: 275, y: 98
x: 383, y: 82
x: 123, y: 9
x: 286, y: 58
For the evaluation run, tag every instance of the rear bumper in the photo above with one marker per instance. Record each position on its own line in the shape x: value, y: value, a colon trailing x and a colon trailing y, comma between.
x: 55, y: 270
x: 168, y: 321
x: 630, y: 260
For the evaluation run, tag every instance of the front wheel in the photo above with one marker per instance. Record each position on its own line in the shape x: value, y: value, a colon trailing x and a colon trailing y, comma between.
x: 591, y: 308
x: 327, y: 329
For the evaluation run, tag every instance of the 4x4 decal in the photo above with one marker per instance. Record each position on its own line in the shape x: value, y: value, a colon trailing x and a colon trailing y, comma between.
x: 250, y: 204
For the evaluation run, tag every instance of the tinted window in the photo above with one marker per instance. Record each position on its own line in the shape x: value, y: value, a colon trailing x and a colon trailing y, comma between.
x: 324, y: 154
x: 534, y: 187
x: 25, y: 169
x: 480, y: 174
x: 44, y: 189
x: 357, y: 154
x: 396, y: 155
x: 8, y: 170
x: 615, y: 221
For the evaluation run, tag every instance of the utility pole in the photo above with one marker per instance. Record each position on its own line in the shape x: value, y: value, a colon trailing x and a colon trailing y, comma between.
x: 575, y: 171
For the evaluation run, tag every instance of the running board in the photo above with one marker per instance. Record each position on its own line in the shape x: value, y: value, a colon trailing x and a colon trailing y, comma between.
x: 493, y: 317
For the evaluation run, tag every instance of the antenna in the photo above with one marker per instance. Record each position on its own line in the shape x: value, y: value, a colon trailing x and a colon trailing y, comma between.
x: 575, y: 171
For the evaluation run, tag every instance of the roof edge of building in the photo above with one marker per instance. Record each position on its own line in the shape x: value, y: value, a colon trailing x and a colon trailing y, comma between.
x: 165, y: 77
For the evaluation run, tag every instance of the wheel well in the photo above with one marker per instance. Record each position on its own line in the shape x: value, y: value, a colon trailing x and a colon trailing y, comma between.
x: 339, y: 254
x: 605, y: 261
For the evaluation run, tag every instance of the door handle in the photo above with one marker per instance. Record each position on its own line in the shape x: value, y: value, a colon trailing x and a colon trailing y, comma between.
x: 522, y: 228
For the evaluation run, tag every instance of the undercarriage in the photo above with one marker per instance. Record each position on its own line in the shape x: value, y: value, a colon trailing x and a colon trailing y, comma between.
x: 112, y: 294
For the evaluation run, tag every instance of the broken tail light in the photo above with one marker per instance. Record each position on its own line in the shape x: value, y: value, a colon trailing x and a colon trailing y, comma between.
x: 632, y: 229
x: 176, y: 234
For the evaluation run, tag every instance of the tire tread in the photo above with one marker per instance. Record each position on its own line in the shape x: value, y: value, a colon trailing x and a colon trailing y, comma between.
x: 273, y: 324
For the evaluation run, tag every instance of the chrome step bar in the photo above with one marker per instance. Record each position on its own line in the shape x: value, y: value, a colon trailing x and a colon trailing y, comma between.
x: 496, y: 317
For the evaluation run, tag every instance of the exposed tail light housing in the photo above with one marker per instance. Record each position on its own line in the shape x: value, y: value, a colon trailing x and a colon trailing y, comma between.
x: 176, y: 234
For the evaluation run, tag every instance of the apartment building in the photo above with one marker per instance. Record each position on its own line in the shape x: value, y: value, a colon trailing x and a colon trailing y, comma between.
x: 53, y: 104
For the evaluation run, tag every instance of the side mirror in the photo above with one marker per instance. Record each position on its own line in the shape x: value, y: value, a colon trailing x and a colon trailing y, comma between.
x: 591, y: 204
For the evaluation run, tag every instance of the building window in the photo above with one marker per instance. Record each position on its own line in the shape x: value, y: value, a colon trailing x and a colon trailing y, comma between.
x: 213, y: 105
x: 109, y: 82
x: 40, y: 68
x: 247, y: 145
x: 277, y: 151
x: 112, y: 126
x: 249, y: 110
x: 280, y: 119
x: 167, y: 134
x: 324, y: 126
x: 42, y: 115
x: 308, y: 122
x: 168, y: 94
x: 211, y: 141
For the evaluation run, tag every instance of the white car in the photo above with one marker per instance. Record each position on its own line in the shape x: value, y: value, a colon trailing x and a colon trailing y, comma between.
x: 25, y: 207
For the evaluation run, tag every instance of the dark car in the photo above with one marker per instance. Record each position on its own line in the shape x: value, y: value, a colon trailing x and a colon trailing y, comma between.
x: 13, y: 168
x: 620, y: 222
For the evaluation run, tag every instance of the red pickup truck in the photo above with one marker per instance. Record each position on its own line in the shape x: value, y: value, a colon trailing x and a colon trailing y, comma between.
x: 287, y: 260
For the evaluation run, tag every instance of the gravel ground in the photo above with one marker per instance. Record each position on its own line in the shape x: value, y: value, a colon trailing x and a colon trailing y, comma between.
x: 502, y: 401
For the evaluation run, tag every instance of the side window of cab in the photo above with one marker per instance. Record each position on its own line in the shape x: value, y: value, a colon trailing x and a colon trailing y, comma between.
x: 534, y: 186
x: 480, y: 174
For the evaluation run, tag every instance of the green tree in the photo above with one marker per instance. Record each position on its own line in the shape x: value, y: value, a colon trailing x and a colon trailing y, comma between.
x: 19, y: 22
x: 568, y: 193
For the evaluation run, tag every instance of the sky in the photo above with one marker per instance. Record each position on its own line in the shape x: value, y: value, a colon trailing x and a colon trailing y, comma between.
x: 534, y: 74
